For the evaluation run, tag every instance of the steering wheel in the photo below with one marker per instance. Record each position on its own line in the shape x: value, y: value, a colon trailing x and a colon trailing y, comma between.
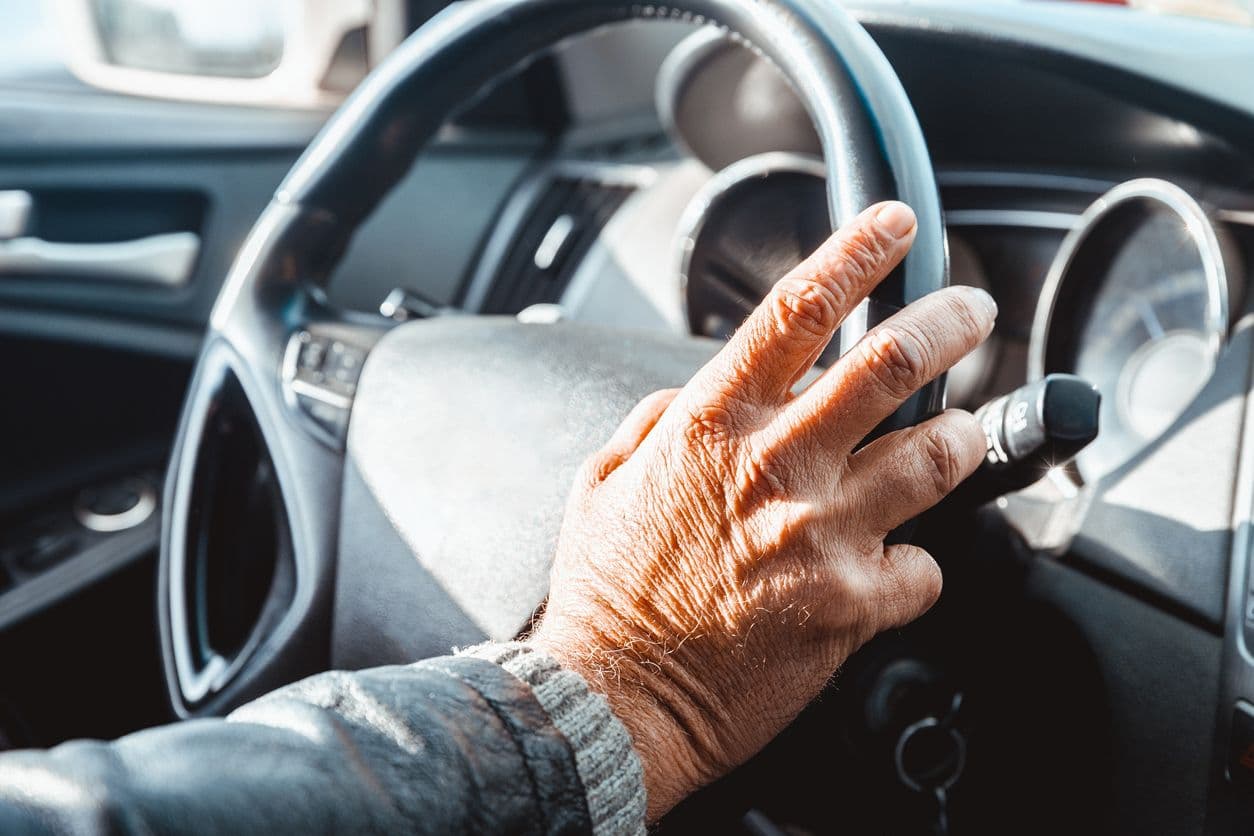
x: 429, y: 520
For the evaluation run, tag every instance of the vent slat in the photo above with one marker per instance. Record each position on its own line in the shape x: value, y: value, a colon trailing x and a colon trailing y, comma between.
x: 520, y: 283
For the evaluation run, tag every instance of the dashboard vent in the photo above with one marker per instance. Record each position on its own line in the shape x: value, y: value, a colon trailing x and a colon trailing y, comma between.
x: 565, y: 221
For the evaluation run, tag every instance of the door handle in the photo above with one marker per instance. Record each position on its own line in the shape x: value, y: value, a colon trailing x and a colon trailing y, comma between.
x: 164, y: 260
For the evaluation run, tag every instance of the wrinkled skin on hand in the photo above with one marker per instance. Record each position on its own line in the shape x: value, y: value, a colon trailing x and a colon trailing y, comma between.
x: 724, y: 553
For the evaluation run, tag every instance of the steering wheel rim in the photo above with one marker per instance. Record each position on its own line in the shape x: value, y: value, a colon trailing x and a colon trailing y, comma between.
x: 873, y: 148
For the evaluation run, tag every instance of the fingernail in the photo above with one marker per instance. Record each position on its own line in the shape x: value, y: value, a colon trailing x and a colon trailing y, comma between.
x: 981, y: 298
x: 896, y: 218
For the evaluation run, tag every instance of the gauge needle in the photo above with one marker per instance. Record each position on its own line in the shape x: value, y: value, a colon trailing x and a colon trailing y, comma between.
x: 1152, y: 323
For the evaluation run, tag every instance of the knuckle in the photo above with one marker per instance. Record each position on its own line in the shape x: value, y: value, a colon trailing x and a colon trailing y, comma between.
x: 861, y: 256
x: 709, y: 426
x: 942, y: 459
x: 809, y: 306
x: 898, y: 360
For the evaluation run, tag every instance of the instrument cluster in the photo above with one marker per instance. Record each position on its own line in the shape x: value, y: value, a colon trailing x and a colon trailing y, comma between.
x: 1138, y: 303
x: 1137, y: 300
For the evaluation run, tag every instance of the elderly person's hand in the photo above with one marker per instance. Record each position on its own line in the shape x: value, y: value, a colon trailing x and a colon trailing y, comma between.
x: 724, y: 554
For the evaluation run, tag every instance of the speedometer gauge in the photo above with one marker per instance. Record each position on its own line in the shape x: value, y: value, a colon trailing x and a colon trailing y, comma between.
x: 1137, y: 303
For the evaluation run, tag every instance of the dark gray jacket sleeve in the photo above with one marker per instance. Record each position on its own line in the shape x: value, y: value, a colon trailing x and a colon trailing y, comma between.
x: 453, y: 745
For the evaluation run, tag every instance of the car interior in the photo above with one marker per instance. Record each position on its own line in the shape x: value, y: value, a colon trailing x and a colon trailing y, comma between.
x: 314, y: 317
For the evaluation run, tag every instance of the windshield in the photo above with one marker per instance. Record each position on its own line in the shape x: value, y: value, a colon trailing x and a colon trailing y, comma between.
x: 1232, y: 11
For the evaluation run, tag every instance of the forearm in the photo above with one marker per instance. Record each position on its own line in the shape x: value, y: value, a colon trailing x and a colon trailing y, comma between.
x: 445, y: 746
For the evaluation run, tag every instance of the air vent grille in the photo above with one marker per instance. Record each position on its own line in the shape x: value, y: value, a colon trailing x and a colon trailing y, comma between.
x: 565, y: 221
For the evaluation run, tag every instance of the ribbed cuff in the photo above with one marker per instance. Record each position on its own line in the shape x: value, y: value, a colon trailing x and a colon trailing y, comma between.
x: 613, y: 779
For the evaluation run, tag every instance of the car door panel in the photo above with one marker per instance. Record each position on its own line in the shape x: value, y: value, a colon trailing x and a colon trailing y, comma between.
x: 102, y: 357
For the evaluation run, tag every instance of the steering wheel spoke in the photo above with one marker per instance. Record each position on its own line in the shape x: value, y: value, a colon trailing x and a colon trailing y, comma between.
x: 249, y: 536
x: 321, y: 368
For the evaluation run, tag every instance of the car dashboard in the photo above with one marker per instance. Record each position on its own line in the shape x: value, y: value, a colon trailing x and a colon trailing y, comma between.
x: 1104, y: 199
x: 682, y: 225
x: 1096, y: 173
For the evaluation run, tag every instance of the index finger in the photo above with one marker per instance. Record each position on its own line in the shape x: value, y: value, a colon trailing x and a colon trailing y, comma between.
x: 887, y: 366
x: 783, y: 337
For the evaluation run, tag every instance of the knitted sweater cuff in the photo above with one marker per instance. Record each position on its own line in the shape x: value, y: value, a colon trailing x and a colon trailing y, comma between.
x: 608, y: 766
